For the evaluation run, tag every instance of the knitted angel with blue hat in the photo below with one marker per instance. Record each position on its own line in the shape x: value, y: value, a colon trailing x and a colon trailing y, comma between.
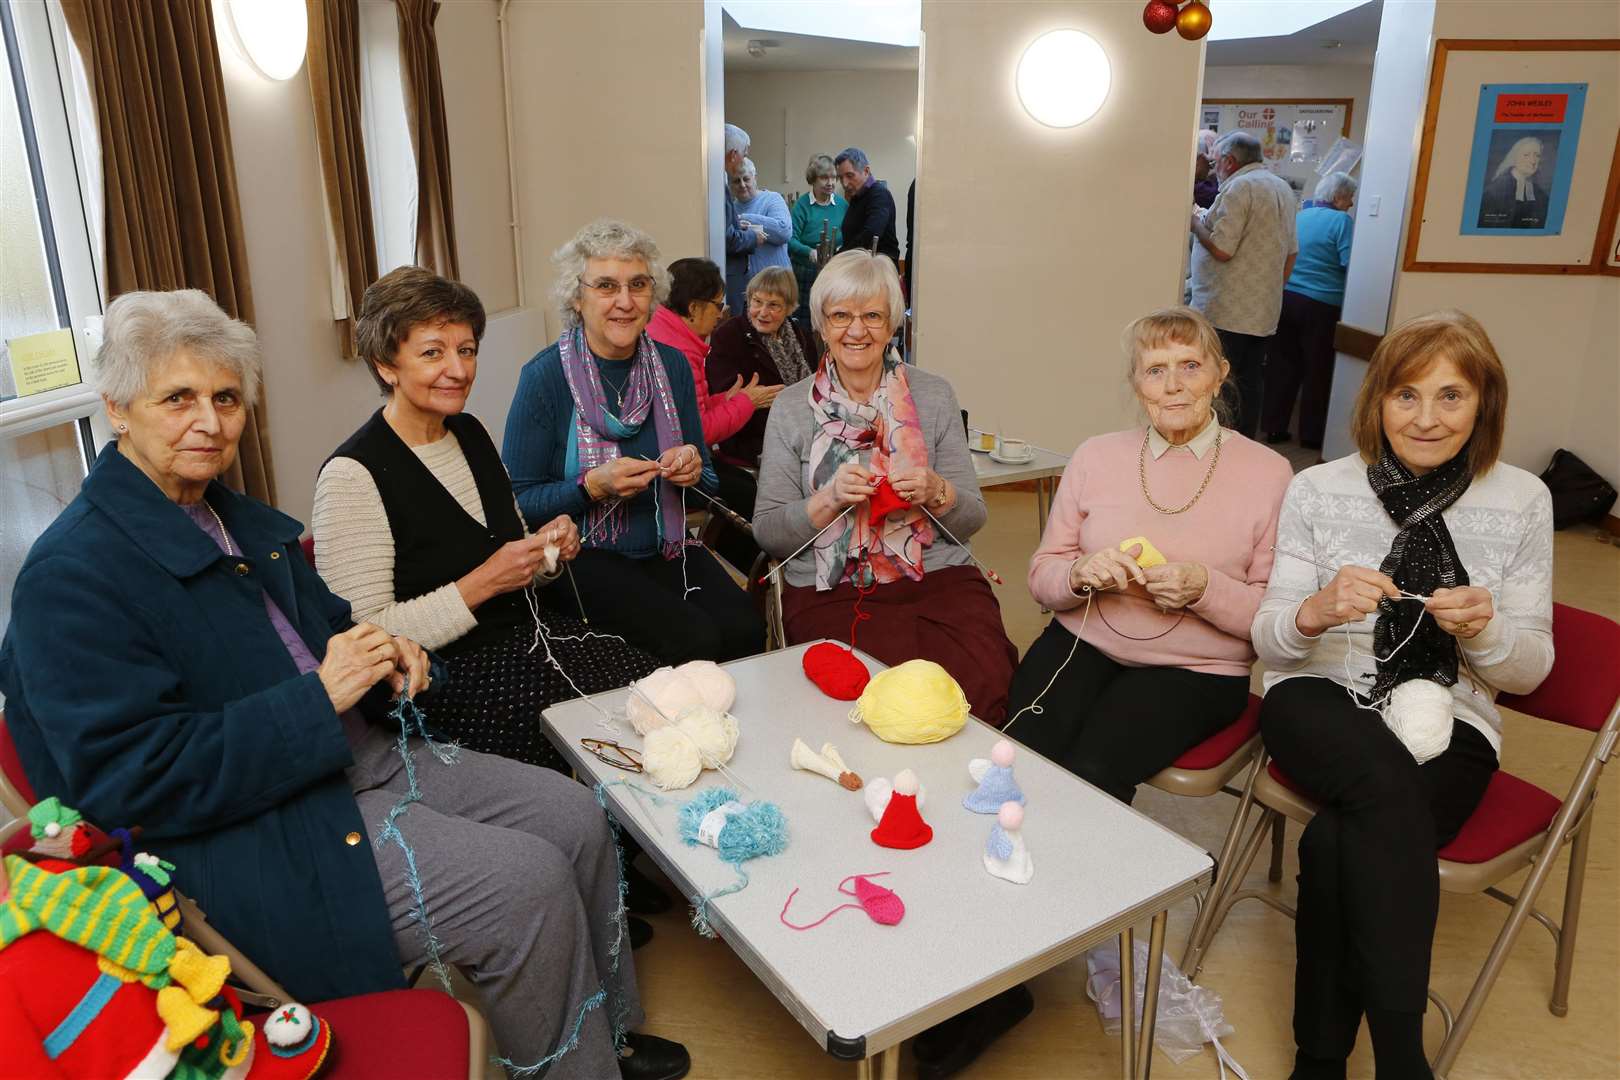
x: 1005, y: 855
x: 995, y: 779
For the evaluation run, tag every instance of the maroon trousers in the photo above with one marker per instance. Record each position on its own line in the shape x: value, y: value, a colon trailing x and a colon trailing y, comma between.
x: 950, y: 617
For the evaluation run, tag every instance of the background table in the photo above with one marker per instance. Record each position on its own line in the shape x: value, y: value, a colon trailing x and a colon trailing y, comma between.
x: 859, y: 988
x: 1044, y: 468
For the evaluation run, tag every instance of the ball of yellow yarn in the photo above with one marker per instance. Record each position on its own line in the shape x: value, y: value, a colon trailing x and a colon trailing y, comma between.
x: 1151, y: 556
x: 916, y: 702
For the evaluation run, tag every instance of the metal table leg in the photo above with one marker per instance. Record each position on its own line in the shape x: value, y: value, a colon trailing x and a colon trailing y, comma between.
x: 1150, y: 995
x: 1127, y: 1007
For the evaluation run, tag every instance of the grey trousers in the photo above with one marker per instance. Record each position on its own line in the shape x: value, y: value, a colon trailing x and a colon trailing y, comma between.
x: 521, y: 884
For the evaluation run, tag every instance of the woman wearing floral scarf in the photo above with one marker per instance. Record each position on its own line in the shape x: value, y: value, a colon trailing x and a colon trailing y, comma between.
x: 605, y: 427
x: 831, y: 441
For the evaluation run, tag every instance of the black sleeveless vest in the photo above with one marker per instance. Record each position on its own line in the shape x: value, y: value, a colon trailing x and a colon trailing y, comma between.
x: 435, y: 540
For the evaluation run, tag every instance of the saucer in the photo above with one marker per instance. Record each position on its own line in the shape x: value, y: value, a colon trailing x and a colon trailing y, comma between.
x: 996, y: 455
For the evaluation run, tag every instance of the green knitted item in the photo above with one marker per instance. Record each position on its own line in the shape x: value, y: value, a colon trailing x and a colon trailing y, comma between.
x: 95, y: 907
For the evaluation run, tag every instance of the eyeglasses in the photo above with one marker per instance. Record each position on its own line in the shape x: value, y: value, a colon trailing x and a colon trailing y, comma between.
x: 607, y: 288
x: 772, y: 307
x: 611, y: 753
x: 719, y: 305
x: 872, y: 320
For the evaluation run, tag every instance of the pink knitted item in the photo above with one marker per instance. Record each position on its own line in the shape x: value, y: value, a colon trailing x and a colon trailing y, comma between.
x: 881, y: 904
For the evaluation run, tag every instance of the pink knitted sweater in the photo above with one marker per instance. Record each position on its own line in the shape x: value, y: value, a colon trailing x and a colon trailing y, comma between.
x: 1230, y: 531
x: 722, y: 416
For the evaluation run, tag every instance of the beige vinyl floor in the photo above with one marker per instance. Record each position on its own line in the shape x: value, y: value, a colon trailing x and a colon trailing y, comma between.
x: 697, y: 991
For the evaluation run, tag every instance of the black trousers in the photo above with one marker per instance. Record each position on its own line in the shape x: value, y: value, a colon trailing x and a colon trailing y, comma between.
x: 1112, y: 725
x: 641, y: 600
x: 737, y: 490
x: 1244, y: 391
x: 1299, y: 364
x: 1369, y: 887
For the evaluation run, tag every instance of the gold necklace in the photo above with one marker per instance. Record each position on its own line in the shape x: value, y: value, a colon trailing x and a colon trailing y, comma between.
x: 1141, y: 471
x: 224, y: 536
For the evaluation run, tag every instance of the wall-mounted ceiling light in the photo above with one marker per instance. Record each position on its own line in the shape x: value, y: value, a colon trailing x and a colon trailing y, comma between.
x: 272, y: 34
x: 1063, y: 78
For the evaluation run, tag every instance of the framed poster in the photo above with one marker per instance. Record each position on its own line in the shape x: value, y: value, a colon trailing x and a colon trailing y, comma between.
x: 1525, y: 136
x: 1293, y: 134
x: 1515, y: 163
x: 1606, y: 252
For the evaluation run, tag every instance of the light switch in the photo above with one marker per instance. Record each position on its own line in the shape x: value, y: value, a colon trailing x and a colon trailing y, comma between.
x: 1373, y: 204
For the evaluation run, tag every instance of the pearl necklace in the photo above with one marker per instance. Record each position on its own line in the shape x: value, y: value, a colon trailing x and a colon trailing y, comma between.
x: 224, y: 536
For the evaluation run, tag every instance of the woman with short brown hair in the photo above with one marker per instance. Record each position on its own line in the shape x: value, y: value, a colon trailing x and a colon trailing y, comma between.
x: 1380, y: 682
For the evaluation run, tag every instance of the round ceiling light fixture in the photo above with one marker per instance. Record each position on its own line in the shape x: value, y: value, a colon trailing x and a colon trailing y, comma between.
x: 272, y: 34
x: 1063, y: 78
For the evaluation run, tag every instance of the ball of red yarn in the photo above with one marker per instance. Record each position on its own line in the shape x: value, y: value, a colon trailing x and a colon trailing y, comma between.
x: 837, y: 671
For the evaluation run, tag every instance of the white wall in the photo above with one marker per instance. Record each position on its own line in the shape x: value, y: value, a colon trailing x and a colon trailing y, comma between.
x: 1292, y: 82
x: 1036, y: 246
x: 791, y: 115
x: 1557, y: 335
x: 315, y: 399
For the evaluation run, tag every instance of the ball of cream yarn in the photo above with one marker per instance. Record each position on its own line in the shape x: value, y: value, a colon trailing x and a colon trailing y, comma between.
x: 674, y: 690
x: 714, y: 732
x: 671, y: 758
x: 1419, y: 713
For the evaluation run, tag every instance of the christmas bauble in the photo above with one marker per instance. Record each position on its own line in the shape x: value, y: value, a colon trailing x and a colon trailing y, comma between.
x: 1159, y: 16
x: 1194, y: 21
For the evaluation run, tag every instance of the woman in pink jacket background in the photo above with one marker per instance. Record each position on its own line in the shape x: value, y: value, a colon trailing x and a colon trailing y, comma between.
x: 695, y: 306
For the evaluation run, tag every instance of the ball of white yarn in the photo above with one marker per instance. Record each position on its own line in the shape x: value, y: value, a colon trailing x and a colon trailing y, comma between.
x: 717, y: 689
x: 715, y: 733
x: 671, y: 694
x: 670, y: 758
x: 1419, y: 713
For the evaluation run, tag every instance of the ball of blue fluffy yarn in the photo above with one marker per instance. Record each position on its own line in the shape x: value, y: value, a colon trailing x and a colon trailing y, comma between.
x: 757, y: 831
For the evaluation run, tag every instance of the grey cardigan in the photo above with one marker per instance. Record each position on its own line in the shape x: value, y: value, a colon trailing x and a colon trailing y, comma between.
x: 781, y: 520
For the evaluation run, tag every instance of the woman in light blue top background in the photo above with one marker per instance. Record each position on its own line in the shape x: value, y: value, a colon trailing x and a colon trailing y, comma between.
x: 769, y: 211
x: 1299, y: 358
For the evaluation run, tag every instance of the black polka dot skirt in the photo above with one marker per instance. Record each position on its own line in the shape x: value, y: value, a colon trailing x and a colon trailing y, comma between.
x: 496, y: 692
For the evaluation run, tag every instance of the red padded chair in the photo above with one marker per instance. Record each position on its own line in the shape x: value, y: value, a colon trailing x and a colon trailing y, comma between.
x: 1516, y: 824
x: 1208, y: 769
x: 308, y: 544
x: 443, y: 1036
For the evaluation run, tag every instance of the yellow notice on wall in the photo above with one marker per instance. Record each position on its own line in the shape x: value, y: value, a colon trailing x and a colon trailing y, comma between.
x: 41, y: 362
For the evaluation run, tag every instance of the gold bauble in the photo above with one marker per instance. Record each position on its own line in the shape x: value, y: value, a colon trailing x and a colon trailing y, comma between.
x: 1193, y: 22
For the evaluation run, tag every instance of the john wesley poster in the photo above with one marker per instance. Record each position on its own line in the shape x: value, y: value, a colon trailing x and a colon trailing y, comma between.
x: 1524, y: 152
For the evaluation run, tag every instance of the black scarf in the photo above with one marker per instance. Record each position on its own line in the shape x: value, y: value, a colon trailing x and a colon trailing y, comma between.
x: 1421, y: 560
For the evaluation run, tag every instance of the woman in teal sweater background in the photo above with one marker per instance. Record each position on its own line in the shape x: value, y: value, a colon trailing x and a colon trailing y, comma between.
x: 821, y: 205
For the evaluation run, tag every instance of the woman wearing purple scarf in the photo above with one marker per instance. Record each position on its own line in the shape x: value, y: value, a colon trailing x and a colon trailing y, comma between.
x: 605, y: 427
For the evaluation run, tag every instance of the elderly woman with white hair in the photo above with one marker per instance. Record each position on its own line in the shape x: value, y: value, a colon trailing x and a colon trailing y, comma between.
x: 867, y: 458
x: 172, y: 660
x: 766, y: 211
x: 1512, y: 199
x: 605, y: 427
x: 1299, y: 358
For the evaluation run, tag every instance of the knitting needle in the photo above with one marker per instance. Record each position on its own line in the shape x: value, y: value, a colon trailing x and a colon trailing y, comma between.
x: 989, y: 573
x: 728, y: 512
x: 777, y: 569
x: 1330, y: 570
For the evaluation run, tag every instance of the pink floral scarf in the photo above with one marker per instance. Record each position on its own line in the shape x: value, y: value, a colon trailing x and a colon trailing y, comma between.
x: 864, y: 551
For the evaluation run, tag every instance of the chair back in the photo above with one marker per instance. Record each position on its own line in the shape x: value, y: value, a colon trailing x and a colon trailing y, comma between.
x: 308, y: 544
x: 16, y: 795
x: 1583, y: 688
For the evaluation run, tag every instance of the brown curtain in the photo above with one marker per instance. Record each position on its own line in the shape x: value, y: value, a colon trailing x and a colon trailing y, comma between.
x: 424, y: 115
x: 334, y: 82
x: 173, y: 217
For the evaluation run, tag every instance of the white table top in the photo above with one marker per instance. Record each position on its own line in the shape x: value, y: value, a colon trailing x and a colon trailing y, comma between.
x: 992, y: 473
x: 859, y: 987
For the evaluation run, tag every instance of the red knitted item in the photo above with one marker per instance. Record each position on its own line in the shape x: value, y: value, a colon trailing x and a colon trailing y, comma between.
x: 836, y: 671
x: 881, y: 904
x: 885, y: 501
x: 902, y: 826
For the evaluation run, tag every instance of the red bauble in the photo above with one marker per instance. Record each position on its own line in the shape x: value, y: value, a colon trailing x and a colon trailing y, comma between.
x: 1194, y: 21
x: 1159, y: 16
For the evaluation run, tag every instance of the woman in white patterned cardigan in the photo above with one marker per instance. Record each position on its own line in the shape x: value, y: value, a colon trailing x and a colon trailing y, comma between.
x: 1413, y: 578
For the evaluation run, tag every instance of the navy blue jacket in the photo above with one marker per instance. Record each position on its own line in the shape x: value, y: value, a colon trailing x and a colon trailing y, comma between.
x: 145, y: 685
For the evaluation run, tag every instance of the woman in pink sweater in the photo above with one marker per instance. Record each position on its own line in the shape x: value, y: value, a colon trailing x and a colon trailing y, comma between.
x: 1147, y: 658
x: 695, y: 306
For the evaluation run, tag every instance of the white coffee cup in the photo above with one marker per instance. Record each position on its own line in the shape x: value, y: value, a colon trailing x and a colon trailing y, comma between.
x: 1015, y: 449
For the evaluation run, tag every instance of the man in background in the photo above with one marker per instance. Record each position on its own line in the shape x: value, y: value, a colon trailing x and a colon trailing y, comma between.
x: 1245, y: 252
x: 871, y: 206
x: 741, y: 238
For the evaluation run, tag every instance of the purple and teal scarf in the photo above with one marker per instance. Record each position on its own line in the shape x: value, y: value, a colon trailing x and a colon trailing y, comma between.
x: 597, y: 432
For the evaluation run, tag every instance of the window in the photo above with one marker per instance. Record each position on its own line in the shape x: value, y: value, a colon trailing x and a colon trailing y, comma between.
x: 50, y: 302
x: 390, y: 159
